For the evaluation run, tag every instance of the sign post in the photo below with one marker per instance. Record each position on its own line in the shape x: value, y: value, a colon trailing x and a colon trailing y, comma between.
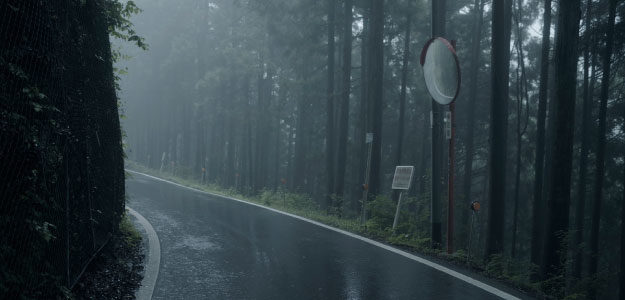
x: 365, y: 186
x: 401, y: 181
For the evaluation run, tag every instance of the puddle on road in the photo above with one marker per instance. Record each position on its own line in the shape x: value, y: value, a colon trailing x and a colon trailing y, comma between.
x: 163, y: 221
x: 196, y: 243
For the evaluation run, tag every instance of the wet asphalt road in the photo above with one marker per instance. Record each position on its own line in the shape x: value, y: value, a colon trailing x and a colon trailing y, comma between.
x: 214, y: 248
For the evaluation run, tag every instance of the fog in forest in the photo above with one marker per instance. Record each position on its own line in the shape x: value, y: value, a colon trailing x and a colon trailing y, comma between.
x: 273, y: 101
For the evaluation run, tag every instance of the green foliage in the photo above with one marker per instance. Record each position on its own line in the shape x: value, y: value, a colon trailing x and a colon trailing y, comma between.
x: 128, y: 231
x: 120, y: 27
x: 421, y: 244
x: 46, y: 230
x: 288, y: 201
x: 119, y: 24
x: 382, y: 212
x: 495, y: 266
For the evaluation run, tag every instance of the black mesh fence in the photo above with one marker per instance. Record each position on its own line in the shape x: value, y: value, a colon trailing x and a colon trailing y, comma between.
x: 61, y: 158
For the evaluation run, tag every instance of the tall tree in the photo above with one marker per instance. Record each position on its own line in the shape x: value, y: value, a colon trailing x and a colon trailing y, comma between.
x: 559, y: 190
x: 500, y: 64
x: 363, y: 106
x: 585, y: 149
x: 265, y: 84
x: 302, y: 130
x: 282, y: 96
x: 375, y: 93
x: 622, y: 268
x: 522, y: 100
x: 537, y: 203
x: 249, y: 158
x: 229, y: 170
x: 199, y: 118
x: 330, y: 105
x: 601, y: 142
x: 348, y: 19
x: 478, y: 11
x: 402, y: 97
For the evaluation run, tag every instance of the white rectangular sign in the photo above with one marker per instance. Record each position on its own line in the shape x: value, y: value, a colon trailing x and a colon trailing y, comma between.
x: 402, y: 178
x: 369, y: 138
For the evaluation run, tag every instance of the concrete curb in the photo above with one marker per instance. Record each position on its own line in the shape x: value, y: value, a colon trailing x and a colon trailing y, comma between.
x: 153, y: 261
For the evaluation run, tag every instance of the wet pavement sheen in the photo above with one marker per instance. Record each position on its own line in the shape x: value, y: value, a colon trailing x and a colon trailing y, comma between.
x: 215, y: 248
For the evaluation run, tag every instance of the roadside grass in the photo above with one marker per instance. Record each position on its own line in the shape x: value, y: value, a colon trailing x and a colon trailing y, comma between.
x: 378, y: 227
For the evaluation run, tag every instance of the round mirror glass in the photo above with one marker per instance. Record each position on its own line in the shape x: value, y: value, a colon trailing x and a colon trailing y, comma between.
x: 441, y: 71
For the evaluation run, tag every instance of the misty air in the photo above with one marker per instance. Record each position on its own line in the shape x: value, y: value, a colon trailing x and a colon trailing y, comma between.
x: 312, y: 149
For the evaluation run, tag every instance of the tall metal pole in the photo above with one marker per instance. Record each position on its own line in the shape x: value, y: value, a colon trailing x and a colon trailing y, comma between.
x: 450, y: 210
x: 438, y: 30
x: 451, y: 204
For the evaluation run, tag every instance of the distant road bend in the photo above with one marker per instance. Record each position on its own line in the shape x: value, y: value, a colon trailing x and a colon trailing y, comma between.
x: 217, y: 248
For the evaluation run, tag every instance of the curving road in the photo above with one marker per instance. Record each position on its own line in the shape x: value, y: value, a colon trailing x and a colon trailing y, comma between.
x: 217, y: 248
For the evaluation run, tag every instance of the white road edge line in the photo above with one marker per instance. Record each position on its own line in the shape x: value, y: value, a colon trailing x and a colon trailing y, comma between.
x: 460, y: 276
x: 153, y: 259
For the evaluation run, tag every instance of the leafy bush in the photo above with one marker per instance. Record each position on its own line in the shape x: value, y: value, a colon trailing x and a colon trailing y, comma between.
x: 382, y: 212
